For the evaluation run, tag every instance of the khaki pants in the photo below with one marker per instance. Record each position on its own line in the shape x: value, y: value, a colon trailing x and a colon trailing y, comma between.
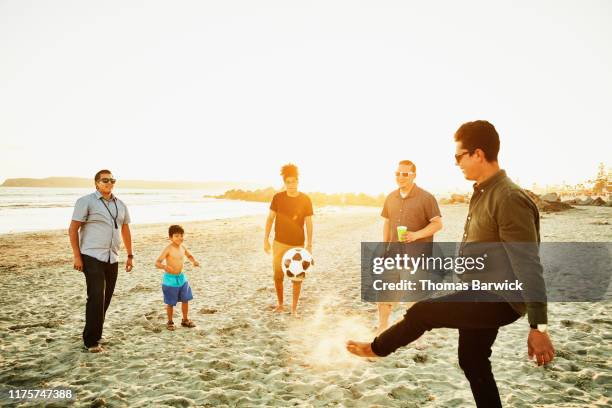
x: 278, y: 250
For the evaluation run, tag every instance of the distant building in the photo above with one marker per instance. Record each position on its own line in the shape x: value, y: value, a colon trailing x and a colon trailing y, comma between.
x: 602, y: 185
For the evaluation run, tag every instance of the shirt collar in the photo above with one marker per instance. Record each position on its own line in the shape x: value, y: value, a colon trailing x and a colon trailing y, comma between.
x: 411, y: 194
x: 99, y: 195
x: 491, y: 181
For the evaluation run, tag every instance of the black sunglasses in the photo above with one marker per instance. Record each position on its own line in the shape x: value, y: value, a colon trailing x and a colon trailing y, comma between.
x: 108, y: 180
x: 460, y: 155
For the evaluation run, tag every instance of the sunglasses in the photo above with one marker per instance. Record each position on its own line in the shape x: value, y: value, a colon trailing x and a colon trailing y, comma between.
x: 106, y: 180
x: 404, y: 173
x: 460, y: 155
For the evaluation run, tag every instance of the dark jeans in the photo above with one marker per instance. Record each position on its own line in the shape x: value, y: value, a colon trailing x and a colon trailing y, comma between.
x: 100, y: 278
x: 478, y: 316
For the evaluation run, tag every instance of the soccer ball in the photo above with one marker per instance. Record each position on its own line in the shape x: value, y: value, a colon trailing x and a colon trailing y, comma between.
x: 296, y: 262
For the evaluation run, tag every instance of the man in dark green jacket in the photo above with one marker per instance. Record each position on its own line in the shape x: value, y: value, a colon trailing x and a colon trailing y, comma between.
x: 500, y: 212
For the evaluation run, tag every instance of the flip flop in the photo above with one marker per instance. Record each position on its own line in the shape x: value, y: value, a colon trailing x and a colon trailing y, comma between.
x: 187, y: 323
x: 170, y: 326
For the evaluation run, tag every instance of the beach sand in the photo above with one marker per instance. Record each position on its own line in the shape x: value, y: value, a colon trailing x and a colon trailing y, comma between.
x: 241, y: 354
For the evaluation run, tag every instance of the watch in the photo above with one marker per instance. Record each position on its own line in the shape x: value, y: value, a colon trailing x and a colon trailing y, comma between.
x: 542, y: 328
x: 131, y: 256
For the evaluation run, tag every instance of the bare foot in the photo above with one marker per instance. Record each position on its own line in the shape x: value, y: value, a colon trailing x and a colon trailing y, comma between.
x: 381, y: 329
x: 360, y: 349
x: 295, y: 314
x: 279, y: 309
x: 96, y: 349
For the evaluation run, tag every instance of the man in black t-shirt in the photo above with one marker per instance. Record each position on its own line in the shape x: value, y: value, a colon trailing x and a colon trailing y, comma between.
x: 289, y: 211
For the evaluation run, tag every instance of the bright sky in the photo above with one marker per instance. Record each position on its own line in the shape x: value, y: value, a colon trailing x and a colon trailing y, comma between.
x: 231, y: 90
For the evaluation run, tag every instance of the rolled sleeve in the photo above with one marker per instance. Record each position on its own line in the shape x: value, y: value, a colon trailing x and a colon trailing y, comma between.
x: 274, y: 203
x: 81, y: 210
x: 127, y: 219
x: 432, y: 210
x: 308, y: 210
x: 385, y: 210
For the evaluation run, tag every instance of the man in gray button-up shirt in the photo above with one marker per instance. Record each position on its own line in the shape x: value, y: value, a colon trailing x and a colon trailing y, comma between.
x: 99, y: 221
x: 99, y: 238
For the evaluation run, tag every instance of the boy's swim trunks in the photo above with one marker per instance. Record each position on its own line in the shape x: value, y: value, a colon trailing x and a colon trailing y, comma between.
x: 176, y: 289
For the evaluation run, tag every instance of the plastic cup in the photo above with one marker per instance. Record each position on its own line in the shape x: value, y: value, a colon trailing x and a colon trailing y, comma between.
x: 401, y: 230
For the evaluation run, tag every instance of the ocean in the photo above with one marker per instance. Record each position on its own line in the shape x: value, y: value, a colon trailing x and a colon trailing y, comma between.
x: 37, y: 209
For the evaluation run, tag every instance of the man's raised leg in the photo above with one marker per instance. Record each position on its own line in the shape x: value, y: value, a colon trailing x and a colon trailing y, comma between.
x: 451, y: 311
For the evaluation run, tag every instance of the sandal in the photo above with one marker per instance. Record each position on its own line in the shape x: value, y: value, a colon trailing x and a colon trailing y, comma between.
x: 170, y: 326
x: 187, y: 323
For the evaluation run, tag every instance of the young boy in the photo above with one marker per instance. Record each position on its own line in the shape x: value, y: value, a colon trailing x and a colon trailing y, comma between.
x: 174, y: 285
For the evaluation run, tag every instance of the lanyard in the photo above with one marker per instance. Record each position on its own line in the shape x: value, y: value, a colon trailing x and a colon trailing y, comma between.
x: 110, y: 213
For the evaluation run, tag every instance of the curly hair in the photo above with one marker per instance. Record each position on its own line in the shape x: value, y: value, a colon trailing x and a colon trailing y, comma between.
x: 175, y: 229
x: 289, y: 170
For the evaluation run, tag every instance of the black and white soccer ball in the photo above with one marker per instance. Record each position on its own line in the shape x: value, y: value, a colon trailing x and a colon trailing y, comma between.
x: 295, y: 263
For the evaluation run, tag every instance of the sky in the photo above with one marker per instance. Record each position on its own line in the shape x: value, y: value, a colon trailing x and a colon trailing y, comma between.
x: 231, y: 90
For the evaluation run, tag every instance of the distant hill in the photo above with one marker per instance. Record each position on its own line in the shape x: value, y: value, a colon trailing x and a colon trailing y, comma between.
x: 318, y: 199
x: 74, y: 182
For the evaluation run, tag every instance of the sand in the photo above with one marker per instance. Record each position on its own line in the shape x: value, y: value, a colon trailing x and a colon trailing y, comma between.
x: 240, y: 354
